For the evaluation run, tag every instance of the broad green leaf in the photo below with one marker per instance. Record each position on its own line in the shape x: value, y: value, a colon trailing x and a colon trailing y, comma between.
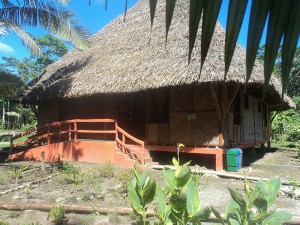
x: 183, y: 175
x: 233, y: 219
x: 269, y: 189
x: 261, y: 203
x: 134, y: 199
x: 196, y: 7
x: 149, y: 191
x: 175, y: 162
x: 258, y: 17
x: 143, y: 179
x: 237, y: 198
x: 290, y: 40
x: 170, y: 5
x: 193, y: 201
x: 279, y: 13
x: 152, y: 4
x: 169, y: 176
x: 218, y: 215
x: 161, y: 202
x: 210, y: 14
x: 236, y: 12
x: 277, y: 218
x: 178, y: 202
x: 202, y: 214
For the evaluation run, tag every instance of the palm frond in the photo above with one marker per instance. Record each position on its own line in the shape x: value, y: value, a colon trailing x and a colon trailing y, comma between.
x: 26, y: 38
x: 51, y: 17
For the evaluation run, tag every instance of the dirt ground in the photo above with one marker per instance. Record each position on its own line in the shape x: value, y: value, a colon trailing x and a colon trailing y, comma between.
x: 105, y: 186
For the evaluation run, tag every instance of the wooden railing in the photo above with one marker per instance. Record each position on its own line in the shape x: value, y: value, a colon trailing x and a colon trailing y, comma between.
x: 95, y: 129
x: 129, y: 144
x: 79, y: 129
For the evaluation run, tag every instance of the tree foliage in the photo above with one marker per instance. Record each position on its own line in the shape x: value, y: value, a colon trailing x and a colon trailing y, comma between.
x: 53, y: 16
x: 29, y: 68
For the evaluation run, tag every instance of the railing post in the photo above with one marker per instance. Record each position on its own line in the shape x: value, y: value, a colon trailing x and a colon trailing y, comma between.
x: 48, y: 135
x: 75, y: 130
x: 59, y: 131
x: 11, y: 146
x: 143, y: 155
x: 123, y: 141
x: 69, y: 132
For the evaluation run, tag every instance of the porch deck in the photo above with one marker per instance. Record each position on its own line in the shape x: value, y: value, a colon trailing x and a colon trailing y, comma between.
x: 103, y: 140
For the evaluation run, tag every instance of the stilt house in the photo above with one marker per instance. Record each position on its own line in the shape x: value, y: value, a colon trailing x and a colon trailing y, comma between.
x: 131, y: 95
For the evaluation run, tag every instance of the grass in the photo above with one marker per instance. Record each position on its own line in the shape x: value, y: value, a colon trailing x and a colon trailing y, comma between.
x: 286, y: 145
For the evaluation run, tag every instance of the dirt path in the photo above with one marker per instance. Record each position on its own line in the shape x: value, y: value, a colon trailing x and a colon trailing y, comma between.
x: 105, y: 186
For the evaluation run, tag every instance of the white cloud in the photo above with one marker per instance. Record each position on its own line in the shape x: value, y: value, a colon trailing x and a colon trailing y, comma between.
x: 6, y: 48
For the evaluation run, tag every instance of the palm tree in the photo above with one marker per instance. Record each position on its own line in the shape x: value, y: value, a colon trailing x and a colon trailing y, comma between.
x: 52, y: 16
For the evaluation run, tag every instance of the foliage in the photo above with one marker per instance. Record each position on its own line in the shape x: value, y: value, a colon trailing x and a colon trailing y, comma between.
x: 279, y: 14
x: 141, y: 193
x: 254, y: 208
x: 123, y: 177
x: 52, y: 16
x: 17, y: 172
x: 286, y: 124
x: 4, y: 223
x: 179, y: 203
x: 58, y: 215
x: 29, y: 68
x: 107, y: 170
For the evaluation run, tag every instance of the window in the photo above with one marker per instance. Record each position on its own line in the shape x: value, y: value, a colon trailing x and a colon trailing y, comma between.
x: 158, y: 111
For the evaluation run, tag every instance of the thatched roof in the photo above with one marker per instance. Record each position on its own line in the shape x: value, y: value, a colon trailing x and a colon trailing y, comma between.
x: 124, y: 58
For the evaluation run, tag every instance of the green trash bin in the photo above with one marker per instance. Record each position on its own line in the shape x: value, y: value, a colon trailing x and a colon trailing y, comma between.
x: 233, y: 159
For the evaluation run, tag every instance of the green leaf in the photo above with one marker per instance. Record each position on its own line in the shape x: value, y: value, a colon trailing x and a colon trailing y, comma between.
x: 161, y: 202
x: 277, y: 218
x: 279, y: 13
x: 134, y: 199
x: 269, y: 189
x: 258, y: 16
x: 236, y: 12
x: 210, y: 14
x: 149, y: 191
x: 175, y: 162
x: 290, y: 40
x: 170, y: 5
x: 169, y: 176
x: 218, y: 215
x: 143, y: 179
x: 196, y: 7
x: 202, y: 214
x: 193, y: 201
x: 178, y: 202
x: 183, y: 175
x: 152, y: 4
x: 237, y: 198
x: 261, y: 203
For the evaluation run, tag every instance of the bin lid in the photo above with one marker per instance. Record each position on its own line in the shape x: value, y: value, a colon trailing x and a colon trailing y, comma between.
x: 233, y: 151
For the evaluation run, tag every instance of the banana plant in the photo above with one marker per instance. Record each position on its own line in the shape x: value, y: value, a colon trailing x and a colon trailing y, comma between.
x: 254, y: 208
x: 141, y: 193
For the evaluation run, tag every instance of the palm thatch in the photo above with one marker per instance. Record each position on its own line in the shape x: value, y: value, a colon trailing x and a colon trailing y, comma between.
x: 127, y: 57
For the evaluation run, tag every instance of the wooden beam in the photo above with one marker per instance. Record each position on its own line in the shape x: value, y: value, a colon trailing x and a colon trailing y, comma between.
x: 214, y: 94
x: 232, y: 97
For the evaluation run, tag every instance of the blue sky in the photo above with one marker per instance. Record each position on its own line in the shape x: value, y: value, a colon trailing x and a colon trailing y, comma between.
x: 95, y: 17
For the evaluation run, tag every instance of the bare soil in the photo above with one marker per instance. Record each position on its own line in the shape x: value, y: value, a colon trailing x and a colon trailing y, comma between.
x: 105, y: 186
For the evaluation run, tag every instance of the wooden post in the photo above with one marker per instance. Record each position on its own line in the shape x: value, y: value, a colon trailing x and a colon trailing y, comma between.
x: 10, y: 148
x: 43, y: 162
x: 75, y: 130
x: 123, y: 141
x: 263, y: 149
x: 69, y: 132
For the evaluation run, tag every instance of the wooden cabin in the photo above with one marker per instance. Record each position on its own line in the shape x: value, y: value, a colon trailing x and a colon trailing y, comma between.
x: 124, y: 99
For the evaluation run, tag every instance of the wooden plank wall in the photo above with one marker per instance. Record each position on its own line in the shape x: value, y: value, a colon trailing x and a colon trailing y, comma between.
x: 48, y: 112
x: 193, y: 118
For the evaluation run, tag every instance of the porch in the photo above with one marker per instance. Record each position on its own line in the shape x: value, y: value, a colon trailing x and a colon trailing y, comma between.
x: 95, y: 140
